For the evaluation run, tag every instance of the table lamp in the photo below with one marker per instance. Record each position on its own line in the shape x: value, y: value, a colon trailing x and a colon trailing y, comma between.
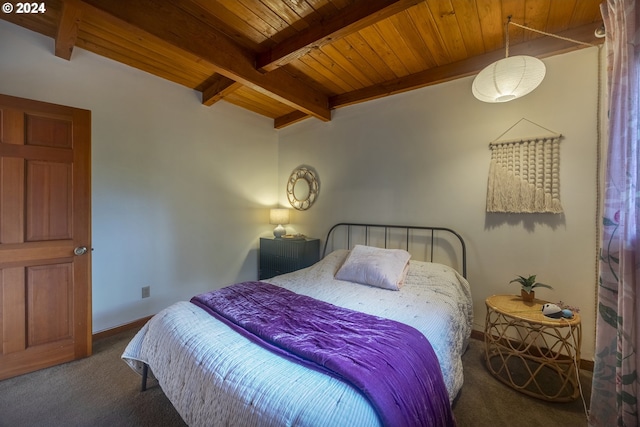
x: 279, y: 217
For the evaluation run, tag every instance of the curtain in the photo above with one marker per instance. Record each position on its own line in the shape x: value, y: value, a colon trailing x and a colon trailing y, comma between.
x: 524, y: 176
x: 614, y: 399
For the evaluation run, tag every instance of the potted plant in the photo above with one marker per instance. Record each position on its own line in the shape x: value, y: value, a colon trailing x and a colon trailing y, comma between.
x: 527, y: 284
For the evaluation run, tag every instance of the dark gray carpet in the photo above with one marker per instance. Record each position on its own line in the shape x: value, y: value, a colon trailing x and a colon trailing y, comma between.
x: 102, y: 391
x: 485, y: 401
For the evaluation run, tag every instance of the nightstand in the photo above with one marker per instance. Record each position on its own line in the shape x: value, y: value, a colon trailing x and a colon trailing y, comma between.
x: 279, y: 256
x: 532, y: 353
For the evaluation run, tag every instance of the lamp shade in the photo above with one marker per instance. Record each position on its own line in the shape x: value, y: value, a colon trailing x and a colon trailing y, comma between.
x: 279, y: 216
x: 508, y: 79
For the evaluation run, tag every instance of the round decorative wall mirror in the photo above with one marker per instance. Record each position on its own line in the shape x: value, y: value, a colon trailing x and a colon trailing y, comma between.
x: 302, y: 188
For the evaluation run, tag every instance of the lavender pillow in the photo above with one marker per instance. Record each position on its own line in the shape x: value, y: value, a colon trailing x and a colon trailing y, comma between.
x: 382, y: 268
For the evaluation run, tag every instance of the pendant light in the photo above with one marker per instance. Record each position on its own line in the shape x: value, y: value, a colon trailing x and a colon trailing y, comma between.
x: 508, y: 78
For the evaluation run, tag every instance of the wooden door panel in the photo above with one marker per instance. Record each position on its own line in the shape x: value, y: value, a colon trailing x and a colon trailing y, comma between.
x: 48, y: 205
x: 49, y: 286
x: 13, y: 306
x: 45, y: 207
x: 11, y: 195
x: 48, y: 131
x: 11, y: 126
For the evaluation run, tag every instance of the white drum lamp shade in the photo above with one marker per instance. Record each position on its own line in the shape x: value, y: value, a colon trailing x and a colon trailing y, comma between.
x: 279, y: 217
x: 508, y: 79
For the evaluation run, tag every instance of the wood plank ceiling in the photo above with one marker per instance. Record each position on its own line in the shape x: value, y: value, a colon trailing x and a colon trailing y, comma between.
x: 293, y: 59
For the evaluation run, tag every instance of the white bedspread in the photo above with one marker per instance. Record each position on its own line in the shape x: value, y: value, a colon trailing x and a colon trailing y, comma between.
x: 214, y: 376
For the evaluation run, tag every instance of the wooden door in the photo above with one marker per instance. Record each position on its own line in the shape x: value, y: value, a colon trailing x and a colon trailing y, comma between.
x: 45, y: 283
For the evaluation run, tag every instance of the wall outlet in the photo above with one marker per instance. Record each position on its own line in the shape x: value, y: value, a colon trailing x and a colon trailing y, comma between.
x: 146, y: 291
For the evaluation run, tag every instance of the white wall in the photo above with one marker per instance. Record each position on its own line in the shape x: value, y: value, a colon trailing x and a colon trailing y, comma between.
x: 180, y: 190
x: 422, y: 158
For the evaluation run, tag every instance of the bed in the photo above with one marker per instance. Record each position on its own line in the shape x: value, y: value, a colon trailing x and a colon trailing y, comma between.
x: 216, y: 373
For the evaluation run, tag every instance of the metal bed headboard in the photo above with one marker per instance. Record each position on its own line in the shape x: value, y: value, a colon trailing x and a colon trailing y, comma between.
x: 430, y: 233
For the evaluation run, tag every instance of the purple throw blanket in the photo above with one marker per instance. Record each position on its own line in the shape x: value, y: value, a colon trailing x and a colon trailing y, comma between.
x: 391, y: 363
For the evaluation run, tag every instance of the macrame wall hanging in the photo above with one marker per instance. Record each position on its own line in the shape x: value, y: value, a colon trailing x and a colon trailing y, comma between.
x: 524, y: 174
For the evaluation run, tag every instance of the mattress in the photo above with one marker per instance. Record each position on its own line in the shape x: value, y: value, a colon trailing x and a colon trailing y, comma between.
x: 214, y: 376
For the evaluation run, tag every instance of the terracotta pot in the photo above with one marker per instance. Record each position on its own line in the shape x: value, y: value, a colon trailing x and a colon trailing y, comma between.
x: 527, y: 296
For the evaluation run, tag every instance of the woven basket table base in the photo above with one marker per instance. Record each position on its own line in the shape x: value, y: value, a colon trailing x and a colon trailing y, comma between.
x: 530, y: 352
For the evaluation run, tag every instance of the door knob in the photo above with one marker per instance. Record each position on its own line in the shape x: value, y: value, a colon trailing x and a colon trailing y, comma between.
x: 80, y: 250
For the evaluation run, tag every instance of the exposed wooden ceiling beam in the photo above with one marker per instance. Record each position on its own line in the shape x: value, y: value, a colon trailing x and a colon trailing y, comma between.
x: 540, y: 47
x: 219, y: 87
x: 67, y: 34
x: 168, y: 22
x: 353, y: 18
x: 289, y: 119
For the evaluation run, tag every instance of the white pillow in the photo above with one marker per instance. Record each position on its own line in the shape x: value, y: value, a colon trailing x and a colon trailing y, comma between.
x: 383, y: 268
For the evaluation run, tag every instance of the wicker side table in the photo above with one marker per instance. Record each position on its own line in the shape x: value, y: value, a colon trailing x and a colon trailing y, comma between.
x: 530, y: 352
